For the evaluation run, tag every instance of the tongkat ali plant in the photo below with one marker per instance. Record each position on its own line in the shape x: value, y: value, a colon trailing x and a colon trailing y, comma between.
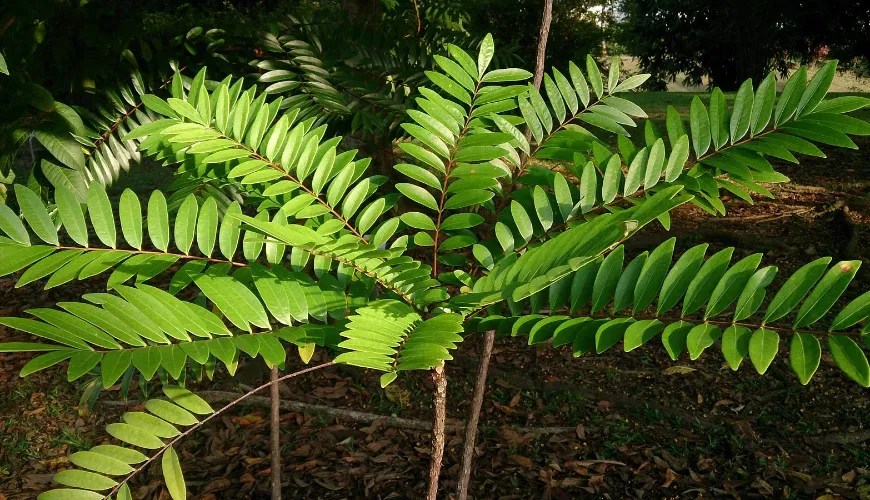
x: 475, y: 236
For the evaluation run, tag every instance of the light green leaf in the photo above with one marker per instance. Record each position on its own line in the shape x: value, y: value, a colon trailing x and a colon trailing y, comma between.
x: 850, y: 358
x: 71, y: 215
x: 735, y: 345
x: 130, y: 211
x: 36, y: 214
x: 185, y: 223
x: 741, y: 114
x: 158, y: 221
x: 804, y: 356
x: 173, y: 476
x: 207, y: 226
x: 484, y: 56
x: 700, y: 125
x: 763, y: 347
x: 826, y: 293
x: 795, y: 288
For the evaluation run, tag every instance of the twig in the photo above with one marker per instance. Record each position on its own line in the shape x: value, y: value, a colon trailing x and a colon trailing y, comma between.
x: 474, y: 416
x: 275, y: 448
x: 237, y: 400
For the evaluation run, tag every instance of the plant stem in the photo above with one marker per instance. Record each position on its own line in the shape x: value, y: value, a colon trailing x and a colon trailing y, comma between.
x: 275, y: 449
x: 474, y: 416
x: 542, y: 42
x: 440, y: 404
x: 204, y: 421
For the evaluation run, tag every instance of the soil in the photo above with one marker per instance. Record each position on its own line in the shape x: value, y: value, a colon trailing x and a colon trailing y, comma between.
x: 642, y: 425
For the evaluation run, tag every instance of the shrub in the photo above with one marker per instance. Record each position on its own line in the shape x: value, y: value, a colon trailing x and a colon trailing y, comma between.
x: 473, y: 237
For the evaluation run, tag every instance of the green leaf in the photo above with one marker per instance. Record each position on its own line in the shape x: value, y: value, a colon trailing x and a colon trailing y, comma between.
x: 135, y: 436
x: 674, y: 125
x: 753, y: 293
x: 804, y: 356
x: 613, y: 74
x: 158, y: 221
x: 610, y: 333
x: 207, y: 226
x: 653, y: 274
x: 185, y: 223
x: 718, y: 118
x: 607, y: 278
x: 418, y: 194
x: 741, y: 114
x: 172, y: 475
x: 850, y: 358
x: 763, y: 347
x: 731, y: 284
x: 45, y: 361
x: 484, y: 56
x: 854, y: 312
x: 588, y: 188
x: 624, y: 293
x: 705, y: 281
x: 594, y: 76
x: 700, y: 338
x: 115, y: 363
x: 762, y: 107
x: 505, y: 75
x: 235, y: 300
x: 700, y: 125
x: 674, y: 338
x: 522, y: 220
x: 150, y: 423
x: 795, y: 288
x: 791, y: 96
x: 81, y: 363
x: 677, y: 159
x: 641, y: 332
x: 679, y: 278
x: 826, y: 293
x: 62, y: 146
x: 735, y: 345
x: 610, y: 183
x: 130, y: 211
x: 170, y: 412
x: 816, y: 89
x: 187, y: 400
x: 36, y: 214
x: 631, y: 83
x: 71, y: 215
x: 83, y: 479
x: 69, y: 494
x: 654, y: 164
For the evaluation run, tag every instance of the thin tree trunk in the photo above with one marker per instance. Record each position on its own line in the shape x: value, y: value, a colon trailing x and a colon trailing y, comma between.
x: 542, y: 42
x: 542, y: 51
x: 438, y: 438
x: 474, y: 416
x: 275, y: 448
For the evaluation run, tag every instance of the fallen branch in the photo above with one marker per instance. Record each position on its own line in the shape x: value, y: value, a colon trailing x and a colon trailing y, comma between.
x: 218, y: 397
x: 360, y: 416
x: 840, y: 438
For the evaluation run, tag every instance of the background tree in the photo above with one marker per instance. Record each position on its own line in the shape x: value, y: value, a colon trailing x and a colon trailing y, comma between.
x: 729, y: 41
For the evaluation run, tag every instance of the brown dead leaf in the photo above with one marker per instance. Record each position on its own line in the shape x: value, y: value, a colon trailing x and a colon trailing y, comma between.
x: 218, y: 484
x: 30, y: 413
x: 511, y: 437
x: 849, y: 476
x: 514, y: 400
x: 522, y: 461
x: 247, y: 478
x: 670, y: 477
x: 581, y: 432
